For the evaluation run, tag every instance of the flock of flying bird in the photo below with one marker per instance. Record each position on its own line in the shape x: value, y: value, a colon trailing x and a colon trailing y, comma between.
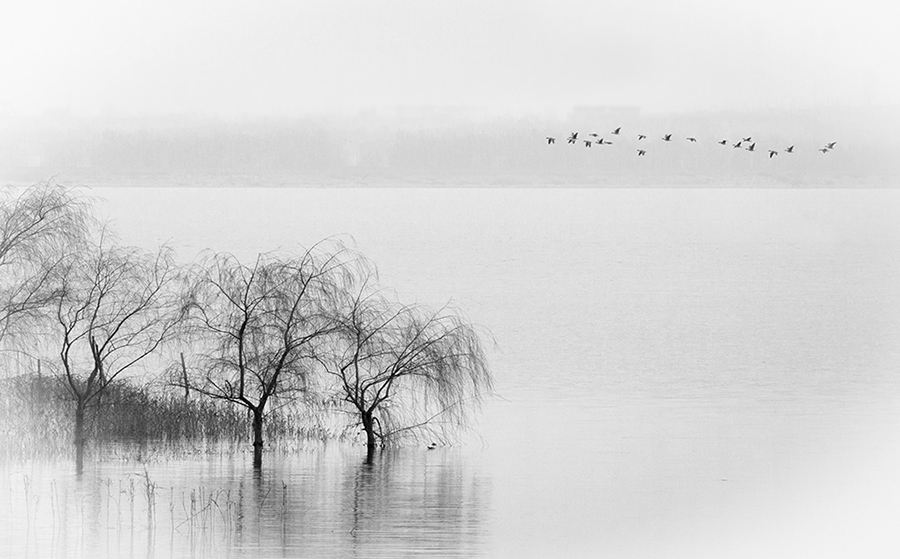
x: 739, y: 144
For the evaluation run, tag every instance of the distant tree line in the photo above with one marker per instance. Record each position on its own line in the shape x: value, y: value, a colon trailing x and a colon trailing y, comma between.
x: 309, y: 329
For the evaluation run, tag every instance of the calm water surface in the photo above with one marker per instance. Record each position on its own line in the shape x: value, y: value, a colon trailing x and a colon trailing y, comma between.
x: 325, y: 503
x: 690, y: 373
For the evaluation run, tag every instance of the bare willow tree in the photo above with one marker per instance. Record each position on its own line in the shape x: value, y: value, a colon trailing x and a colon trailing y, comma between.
x: 255, y: 327
x: 405, y: 371
x: 38, y: 227
x: 115, y: 307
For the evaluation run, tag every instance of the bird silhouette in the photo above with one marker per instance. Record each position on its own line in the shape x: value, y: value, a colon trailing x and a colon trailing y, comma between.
x: 573, y: 138
x: 432, y: 446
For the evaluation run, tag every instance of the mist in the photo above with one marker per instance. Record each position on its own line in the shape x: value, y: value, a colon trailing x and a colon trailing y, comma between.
x: 458, y: 146
x: 236, y: 59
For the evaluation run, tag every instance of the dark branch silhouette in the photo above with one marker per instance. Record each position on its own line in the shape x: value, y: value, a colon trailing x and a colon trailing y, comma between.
x: 38, y: 227
x: 254, y: 328
x: 115, y: 306
x: 404, y: 370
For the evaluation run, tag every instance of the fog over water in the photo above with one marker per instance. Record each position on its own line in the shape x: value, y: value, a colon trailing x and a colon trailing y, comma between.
x: 695, y: 352
x: 689, y: 373
x: 461, y: 146
x: 411, y: 92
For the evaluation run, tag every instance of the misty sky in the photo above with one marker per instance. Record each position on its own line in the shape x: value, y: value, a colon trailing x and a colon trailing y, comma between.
x: 235, y: 58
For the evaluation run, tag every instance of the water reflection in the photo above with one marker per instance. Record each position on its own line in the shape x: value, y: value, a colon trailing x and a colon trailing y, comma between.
x: 326, y: 503
x: 439, y: 509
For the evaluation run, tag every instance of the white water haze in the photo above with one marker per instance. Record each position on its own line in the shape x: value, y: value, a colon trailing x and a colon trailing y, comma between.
x: 696, y: 352
x: 688, y: 373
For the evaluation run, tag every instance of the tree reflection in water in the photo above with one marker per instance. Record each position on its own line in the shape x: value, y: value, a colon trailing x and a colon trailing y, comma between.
x: 326, y: 503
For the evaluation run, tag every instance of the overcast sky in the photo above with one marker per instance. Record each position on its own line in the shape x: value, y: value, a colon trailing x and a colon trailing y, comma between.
x: 233, y: 58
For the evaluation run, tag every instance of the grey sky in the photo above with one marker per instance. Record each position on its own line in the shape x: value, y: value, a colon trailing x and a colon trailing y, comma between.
x: 235, y: 58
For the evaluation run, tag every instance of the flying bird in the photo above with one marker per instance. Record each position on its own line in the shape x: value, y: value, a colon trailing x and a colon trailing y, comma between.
x: 830, y: 145
x: 551, y: 140
x: 789, y: 149
x: 641, y: 152
x: 723, y: 142
x: 587, y: 143
x: 737, y: 145
x: 642, y: 137
x: 748, y: 138
x: 594, y: 134
x: 751, y: 147
x: 824, y: 150
x: 667, y: 138
x: 573, y: 137
x: 691, y: 139
x: 772, y: 153
x: 603, y: 142
x: 616, y: 131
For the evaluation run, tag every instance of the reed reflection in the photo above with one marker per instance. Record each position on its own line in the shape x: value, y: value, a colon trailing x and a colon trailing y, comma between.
x: 315, y: 504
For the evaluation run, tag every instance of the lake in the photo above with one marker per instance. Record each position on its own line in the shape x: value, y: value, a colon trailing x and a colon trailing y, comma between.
x: 679, y: 373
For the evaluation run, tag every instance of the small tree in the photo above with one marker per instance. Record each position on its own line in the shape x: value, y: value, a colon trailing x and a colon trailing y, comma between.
x: 405, y: 370
x: 256, y: 326
x: 115, y: 307
x: 38, y: 226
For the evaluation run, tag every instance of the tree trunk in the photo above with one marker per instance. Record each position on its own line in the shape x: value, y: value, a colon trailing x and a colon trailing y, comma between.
x: 257, y: 438
x: 79, y: 436
x: 369, y: 426
x: 184, y: 379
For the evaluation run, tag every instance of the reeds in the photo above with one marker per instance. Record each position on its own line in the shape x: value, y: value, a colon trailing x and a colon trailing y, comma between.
x: 132, y: 422
x: 117, y: 515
